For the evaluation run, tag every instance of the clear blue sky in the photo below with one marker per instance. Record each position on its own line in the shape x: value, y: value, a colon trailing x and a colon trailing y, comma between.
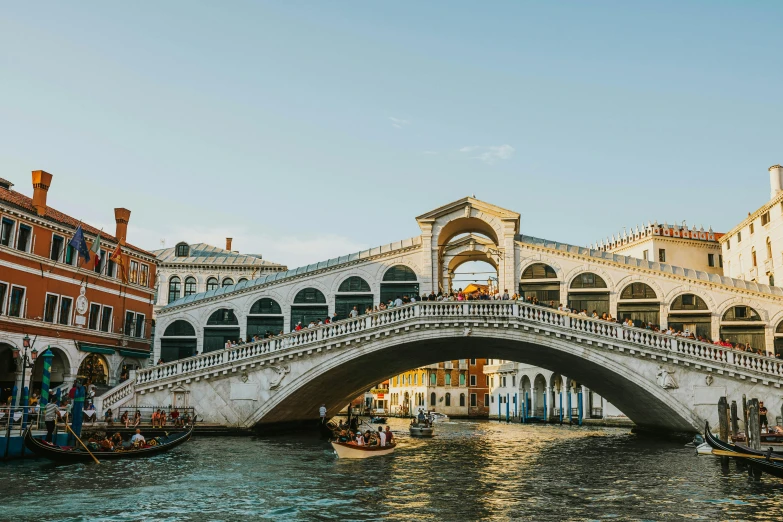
x: 307, y: 130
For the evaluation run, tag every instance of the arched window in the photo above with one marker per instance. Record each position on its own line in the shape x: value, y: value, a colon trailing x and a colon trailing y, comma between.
x: 539, y: 271
x: 447, y: 378
x: 741, y: 313
x: 462, y: 399
x: 190, y: 286
x: 354, y: 284
x: 223, y: 317
x: 638, y: 291
x: 415, y: 379
x: 769, y: 249
x: 432, y: 399
x: 689, y: 302
x: 309, y: 296
x: 212, y: 283
x: 182, y: 250
x: 448, y: 399
x: 175, y: 285
x: 434, y: 376
x: 462, y: 379
x: 180, y: 328
x: 588, y: 280
x: 266, y: 306
x: 228, y: 282
x: 242, y: 280
x: 399, y: 273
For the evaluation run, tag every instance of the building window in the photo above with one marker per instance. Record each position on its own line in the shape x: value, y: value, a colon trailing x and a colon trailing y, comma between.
x: 473, y: 362
x: 720, y: 260
x: 765, y: 218
x: 473, y: 400
x: 750, y: 227
x: 174, y: 288
x: 228, y: 282
x: 739, y: 237
x: 504, y: 382
x: 662, y: 255
x: 433, y: 379
x: 134, y: 272
x: 769, y: 249
x: 182, y: 250
x: 242, y: 280
x: 433, y: 399
x: 513, y: 380
x: 190, y: 286
x: 753, y: 257
x: 447, y: 378
x: 472, y: 380
x: 711, y: 260
x: 106, y: 319
x: 50, y: 308
x: 23, y: 241
x: 144, y: 275
x: 462, y: 399
x: 644, y: 254
x: 487, y: 399
x: 57, y: 248
x: 95, y: 314
x: 6, y: 231
x: 111, y: 267
x: 728, y: 244
x: 212, y: 284
x: 64, y: 317
x: 462, y: 379
x: 129, y: 316
x: 448, y: 399
x: 486, y: 380
x: 3, y: 291
x: 16, y: 305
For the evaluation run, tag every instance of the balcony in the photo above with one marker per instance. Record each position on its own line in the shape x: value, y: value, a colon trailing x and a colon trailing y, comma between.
x: 432, y: 366
x: 463, y: 364
x: 448, y: 365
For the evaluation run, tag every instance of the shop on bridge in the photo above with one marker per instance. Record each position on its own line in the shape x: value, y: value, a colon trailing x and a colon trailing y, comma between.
x: 690, y: 312
x: 589, y: 292
x: 309, y: 305
x: 354, y: 291
x: 399, y: 281
x: 265, y: 318
x: 178, y: 341
x: 639, y: 303
x: 222, y: 326
x: 743, y: 325
x: 539, y: 281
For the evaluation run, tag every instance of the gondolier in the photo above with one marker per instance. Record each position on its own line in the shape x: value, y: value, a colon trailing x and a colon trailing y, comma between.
x: 322, y: 413
x: 50, y: 418
x: 763, y: 416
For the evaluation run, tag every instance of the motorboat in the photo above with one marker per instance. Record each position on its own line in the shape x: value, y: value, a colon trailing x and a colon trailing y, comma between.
x: 421, y: 429
x: 437, y: 417
x: 345, y: 450
x: 378, y: 420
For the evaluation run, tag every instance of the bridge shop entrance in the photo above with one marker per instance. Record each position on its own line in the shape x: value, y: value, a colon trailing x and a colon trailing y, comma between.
x: 309, y: 305
x: 265, y: 318
x: 222, y: 326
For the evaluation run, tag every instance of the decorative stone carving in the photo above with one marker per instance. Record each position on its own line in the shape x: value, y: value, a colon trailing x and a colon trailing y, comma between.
x: 281, y: 372
x: 666, y: 379
x: 467, y: 331
x: 708, y: 380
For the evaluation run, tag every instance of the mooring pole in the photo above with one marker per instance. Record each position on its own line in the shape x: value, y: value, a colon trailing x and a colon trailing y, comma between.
x: 754, y: 426
x: 734, y: 421
x: 745, y: 418
x: 723, y: 430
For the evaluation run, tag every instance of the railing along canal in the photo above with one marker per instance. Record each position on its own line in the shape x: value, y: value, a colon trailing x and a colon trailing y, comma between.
x: 469, y: 310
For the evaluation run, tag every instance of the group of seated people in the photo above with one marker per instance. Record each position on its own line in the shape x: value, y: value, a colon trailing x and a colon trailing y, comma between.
x: 99, y: 442
x: 368, y: 438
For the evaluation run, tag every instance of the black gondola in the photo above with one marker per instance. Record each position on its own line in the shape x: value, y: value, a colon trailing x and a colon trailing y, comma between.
x: 77, y: 454
x: 759, y: 462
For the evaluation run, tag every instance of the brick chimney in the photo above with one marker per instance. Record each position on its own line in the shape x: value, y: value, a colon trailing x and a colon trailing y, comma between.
x: 41, y: 182
x: 121, y: 216
x: 228, y: 243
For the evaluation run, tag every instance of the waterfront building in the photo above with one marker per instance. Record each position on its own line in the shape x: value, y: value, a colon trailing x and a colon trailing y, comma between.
x: 95, y: 317
x: 187, y: 269
x: 442, y: 387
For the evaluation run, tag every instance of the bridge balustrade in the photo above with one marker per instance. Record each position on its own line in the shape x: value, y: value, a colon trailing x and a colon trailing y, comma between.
x: 466, y: 309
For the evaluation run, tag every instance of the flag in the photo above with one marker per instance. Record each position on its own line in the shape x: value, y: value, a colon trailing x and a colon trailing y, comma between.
x: 96, y: 249
x: 79, y: 244
x: 116, y: 257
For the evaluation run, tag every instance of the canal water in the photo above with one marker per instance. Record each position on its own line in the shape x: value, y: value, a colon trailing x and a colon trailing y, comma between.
x: 470, y: 471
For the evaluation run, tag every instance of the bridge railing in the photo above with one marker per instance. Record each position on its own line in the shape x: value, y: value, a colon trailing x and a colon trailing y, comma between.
x: 488, y: 309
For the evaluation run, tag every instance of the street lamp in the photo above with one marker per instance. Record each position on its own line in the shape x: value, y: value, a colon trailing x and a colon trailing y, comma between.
x: 27, y: 360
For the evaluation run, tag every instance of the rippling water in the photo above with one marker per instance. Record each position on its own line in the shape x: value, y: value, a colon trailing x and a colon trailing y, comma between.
x: 469, y: 471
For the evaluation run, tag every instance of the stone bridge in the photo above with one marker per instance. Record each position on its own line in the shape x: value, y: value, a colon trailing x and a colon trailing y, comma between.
x: 658, y: 381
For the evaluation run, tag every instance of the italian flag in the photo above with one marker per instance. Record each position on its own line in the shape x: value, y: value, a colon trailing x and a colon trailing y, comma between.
x: 96, y: 249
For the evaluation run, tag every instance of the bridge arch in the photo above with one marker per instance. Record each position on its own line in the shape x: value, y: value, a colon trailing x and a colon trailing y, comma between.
x: 485, y: 225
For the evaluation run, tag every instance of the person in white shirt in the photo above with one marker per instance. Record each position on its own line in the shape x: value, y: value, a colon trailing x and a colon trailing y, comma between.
x: 397, y: 302
x: 381, y: 436
x: 322, y: 413
x: 353, y: 313
x: 138, y: 437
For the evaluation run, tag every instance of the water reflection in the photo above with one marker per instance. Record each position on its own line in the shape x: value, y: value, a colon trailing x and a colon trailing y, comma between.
x: 469, y: 471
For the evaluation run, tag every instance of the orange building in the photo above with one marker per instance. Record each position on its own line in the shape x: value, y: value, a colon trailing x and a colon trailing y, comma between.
x: 96, y: 317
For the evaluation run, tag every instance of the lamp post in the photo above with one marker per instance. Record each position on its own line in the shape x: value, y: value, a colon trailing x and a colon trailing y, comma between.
x: 26, y: 357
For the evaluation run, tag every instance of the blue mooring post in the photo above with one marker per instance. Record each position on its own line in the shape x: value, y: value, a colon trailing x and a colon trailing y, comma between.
x: 561, y: 407
x: 499, y: 417
x: 25, y: 401
x: 579, y: 406
x: 568, y: 405
x: 527, y: 408
x: 508, y: 417
x: 76, y: 412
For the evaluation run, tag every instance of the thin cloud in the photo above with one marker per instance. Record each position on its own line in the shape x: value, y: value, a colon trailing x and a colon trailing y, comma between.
x: 490, y: 154
x: 398, y: 123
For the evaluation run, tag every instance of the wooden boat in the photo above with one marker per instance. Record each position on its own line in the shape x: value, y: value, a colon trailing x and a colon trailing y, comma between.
x: 378, y: 420
x: 421, y: 430
x: 736, y: 447
x: 352, y: 451
x: 78, y: 454
x: 758, y: 461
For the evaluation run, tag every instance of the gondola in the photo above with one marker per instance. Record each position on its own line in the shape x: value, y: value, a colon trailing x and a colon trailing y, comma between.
x: 352, y: 451
x: 77, y: 454
x: 378, y: 420
x: 759, y: 461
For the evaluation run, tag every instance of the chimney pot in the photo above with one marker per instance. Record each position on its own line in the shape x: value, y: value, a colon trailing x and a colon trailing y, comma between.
x: 41, y: 182
x: 228, y: 243
x: 121, y: 217
x: 775, y: 180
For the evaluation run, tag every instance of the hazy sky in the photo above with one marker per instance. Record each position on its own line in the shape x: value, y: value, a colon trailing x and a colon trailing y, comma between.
x: 307, y: 130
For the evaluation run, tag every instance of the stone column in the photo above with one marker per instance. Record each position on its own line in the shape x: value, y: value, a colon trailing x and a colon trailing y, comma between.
x: 663, y: 319
x: 548, y: 405
x: 715, y: 327
x: 532, y: 400
x: 586, y: 395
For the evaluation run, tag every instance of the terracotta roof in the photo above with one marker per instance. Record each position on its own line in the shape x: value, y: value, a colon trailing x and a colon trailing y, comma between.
x: 22, y: 202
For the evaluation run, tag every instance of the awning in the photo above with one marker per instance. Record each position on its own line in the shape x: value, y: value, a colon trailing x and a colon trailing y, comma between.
x: 139, y: 355
x: 92, y: 348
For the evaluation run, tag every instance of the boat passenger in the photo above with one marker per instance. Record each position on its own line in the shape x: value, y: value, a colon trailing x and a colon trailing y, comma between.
x: 381, y: 436
x: 107, y: 444
x: 343, y: 437
x: 422, y: 417
x: 117, y: 440
x: 138, y: 438
x: 359, y: 439
x: 389, y: 436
